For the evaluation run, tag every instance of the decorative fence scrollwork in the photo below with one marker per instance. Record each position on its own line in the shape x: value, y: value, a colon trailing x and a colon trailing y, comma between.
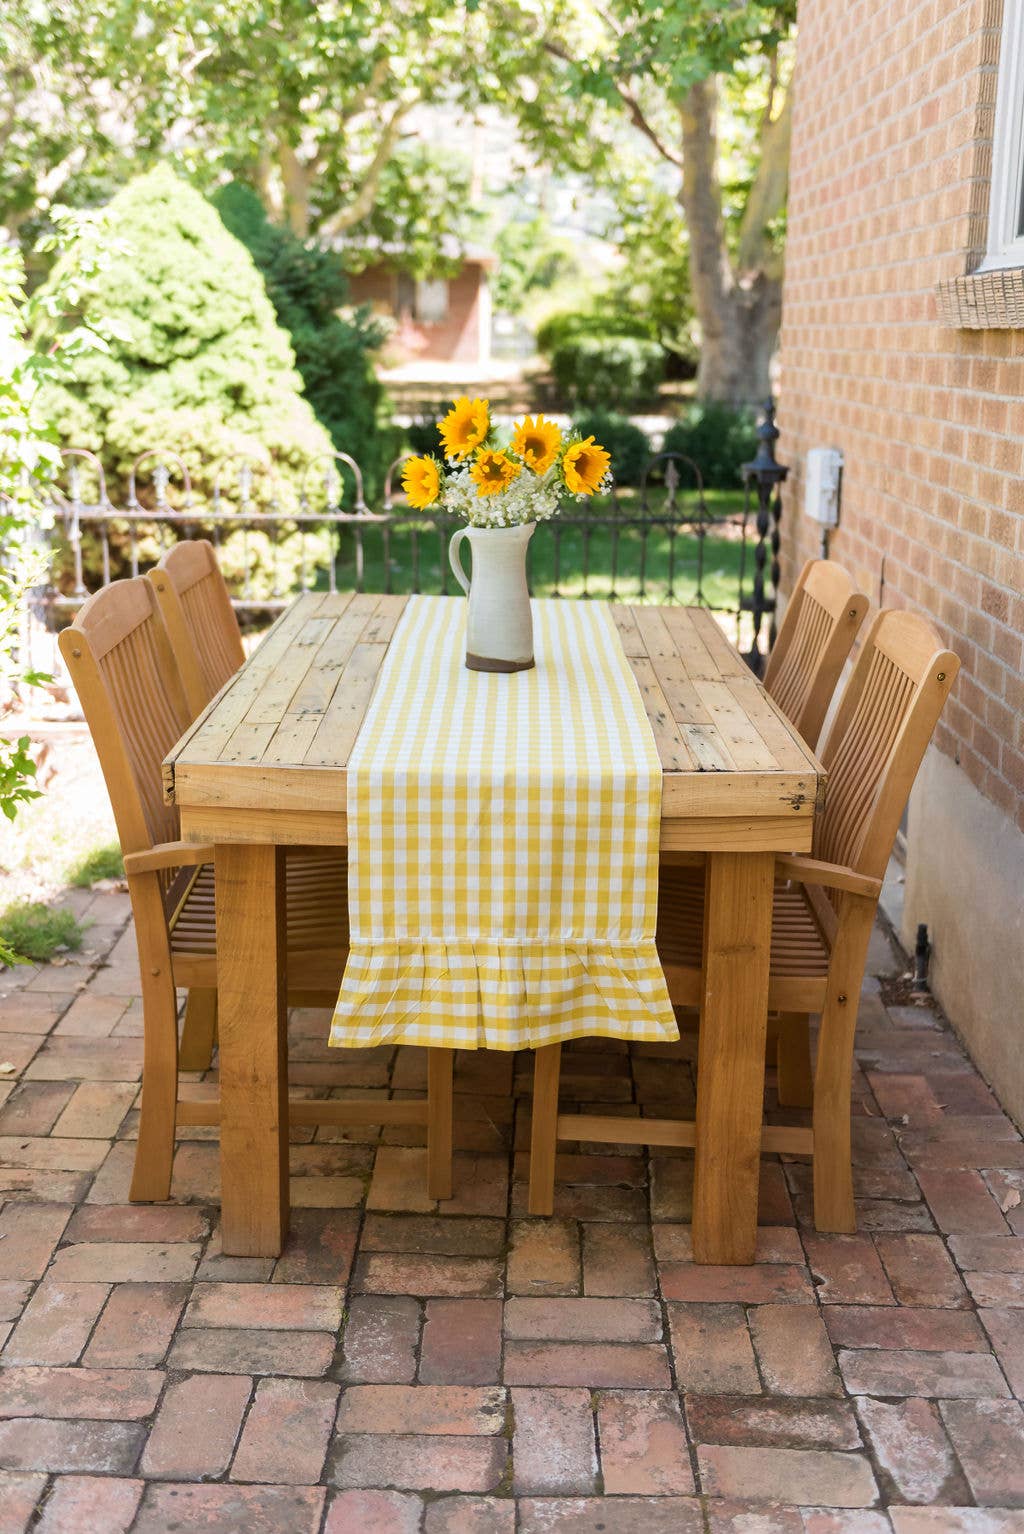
x: 662, y: 541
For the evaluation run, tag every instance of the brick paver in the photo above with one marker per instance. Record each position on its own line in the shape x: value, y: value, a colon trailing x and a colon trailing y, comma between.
x: 461, y: 1342
x: 287, y: 1432
x: 406, y: 1368
x: 554, y: 1448
x: 194, y: 1431
x: 83, y: 1504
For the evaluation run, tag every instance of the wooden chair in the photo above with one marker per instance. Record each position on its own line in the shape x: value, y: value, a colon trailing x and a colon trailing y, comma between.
x: 199, y: 618
x: 821, y: 622
x: 824, y: 910
x: 119, y: 657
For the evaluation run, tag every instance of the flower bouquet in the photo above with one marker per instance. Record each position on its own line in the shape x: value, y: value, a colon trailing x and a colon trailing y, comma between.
x: 502, y: 491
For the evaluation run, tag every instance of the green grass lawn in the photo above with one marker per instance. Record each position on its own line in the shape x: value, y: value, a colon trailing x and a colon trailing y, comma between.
x: 653, y: 564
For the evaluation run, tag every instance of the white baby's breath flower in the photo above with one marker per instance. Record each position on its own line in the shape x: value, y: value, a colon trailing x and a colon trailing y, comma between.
x: 528, y: 498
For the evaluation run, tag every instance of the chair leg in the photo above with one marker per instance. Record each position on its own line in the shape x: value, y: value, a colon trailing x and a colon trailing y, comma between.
x: 154, y: 1152
x: 544, y: 1133
x: 793, y: 1061
x: 833, y: 1173
x: 198, y: 1030
x: 833, y: 1170
x: 439, y: 1122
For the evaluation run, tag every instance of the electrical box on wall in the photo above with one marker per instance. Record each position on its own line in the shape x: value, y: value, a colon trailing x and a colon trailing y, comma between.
x: 822, y: 474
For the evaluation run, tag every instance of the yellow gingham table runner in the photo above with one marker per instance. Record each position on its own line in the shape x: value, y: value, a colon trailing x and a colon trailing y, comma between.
x: 503, y: 843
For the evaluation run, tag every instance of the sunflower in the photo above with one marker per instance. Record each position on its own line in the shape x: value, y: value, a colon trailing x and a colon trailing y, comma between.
x: 465, y: 426
x: 585, y: 465
x: 537, y: 442
x: 493, y: 473
x: 421, y: 481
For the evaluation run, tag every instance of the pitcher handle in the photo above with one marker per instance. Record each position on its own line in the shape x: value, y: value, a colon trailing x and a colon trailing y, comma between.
x: 455, y: 558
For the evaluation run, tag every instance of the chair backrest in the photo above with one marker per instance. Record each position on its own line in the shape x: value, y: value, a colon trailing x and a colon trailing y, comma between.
x: 200, y: 620
x: 885, y: 719
x: 820, y: 624
x: 120, y: 660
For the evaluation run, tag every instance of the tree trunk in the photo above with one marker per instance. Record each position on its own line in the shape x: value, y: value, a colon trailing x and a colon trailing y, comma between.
x: 295, y: 179
x: 738, y: 340
x: 738, y: 315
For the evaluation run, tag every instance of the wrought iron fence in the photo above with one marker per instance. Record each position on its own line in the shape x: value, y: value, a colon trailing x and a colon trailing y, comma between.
x: 660, y: 541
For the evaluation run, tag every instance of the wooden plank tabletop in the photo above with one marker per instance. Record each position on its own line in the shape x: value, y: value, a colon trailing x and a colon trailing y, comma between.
x: 266, y: 759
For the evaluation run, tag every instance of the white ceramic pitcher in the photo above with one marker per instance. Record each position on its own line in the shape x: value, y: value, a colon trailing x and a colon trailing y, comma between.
x: 499, y: 629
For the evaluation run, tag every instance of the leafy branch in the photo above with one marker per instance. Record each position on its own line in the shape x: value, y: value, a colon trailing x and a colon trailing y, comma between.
x: 39, y: 335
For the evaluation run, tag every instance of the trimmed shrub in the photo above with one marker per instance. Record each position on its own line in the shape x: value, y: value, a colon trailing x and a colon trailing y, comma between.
x: 571, y: 324
x: 719, y: 438
x: 608, y: 371
x: 333, y: 344
x: 196, y: 362
x: 629, y: 446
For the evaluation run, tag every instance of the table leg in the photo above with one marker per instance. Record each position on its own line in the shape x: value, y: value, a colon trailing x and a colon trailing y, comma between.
x: 252, y: 1027
x: 547, y: 1062
x: 730, y: 1069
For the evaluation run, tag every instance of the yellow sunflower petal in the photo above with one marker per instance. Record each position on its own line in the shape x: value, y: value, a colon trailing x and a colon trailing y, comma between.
x: 584, y: 466
x: 465, y: 426
x: 421, y: 481
x: 493, y: 473
x: 537, y: 443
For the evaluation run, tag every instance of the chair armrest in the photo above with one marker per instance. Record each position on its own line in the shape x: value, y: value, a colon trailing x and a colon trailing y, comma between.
x: 168, y: 855
x: 833, y: 876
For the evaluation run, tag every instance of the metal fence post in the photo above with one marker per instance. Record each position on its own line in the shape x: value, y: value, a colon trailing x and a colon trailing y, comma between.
x: 764, y: 474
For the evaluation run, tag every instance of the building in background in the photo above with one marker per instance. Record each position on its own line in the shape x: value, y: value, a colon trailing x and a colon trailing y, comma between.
x: 903, y: 346
x: 437, y: 319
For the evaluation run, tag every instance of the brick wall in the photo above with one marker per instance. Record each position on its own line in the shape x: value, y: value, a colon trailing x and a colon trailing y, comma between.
x: 889, y: 195
x: 892, y: 157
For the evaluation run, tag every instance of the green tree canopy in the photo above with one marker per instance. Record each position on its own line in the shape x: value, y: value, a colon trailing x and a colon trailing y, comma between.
x: 313, y: 102
x: 308, y: 101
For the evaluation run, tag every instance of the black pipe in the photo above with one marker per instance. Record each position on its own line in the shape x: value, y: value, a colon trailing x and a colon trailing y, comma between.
x: 922, y: 953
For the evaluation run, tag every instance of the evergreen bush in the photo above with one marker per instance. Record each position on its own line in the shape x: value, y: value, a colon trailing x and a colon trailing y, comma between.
x: 333, y: 342
x: 608, y: 371
x: 719, y: 438
x: 197, y: 361
x: 571, y: 324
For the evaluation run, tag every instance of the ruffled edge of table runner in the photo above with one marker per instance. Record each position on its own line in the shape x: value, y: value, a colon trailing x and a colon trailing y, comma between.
x: 502, y: 994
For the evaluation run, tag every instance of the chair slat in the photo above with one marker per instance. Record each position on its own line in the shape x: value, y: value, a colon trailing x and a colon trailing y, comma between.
x: 820, y: 624
x: 200, y: 619
x: 120, y: 660
x: 874, y: 747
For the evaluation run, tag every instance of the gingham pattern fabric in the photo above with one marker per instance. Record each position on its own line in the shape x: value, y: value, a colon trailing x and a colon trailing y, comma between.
x: 503, y: 843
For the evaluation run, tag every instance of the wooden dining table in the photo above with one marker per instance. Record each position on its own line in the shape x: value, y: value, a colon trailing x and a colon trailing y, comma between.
x: 264, y: 767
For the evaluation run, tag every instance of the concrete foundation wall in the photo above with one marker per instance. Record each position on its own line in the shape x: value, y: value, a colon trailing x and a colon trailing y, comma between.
x: 965, y: 878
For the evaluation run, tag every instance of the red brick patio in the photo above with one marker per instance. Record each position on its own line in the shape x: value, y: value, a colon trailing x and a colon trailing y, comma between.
x: 469, y: 1370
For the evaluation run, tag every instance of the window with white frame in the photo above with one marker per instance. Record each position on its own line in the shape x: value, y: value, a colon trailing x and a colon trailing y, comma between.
x: 432, y: 300
x: 1006, y: 200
